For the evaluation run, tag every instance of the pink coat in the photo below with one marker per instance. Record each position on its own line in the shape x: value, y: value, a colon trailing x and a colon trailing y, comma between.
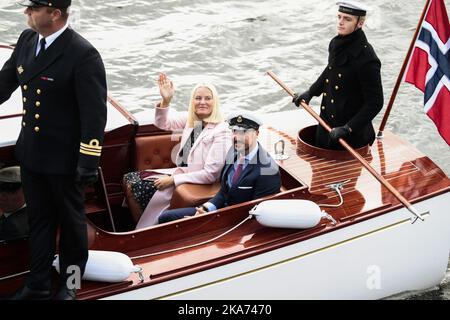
x: 205, y: 161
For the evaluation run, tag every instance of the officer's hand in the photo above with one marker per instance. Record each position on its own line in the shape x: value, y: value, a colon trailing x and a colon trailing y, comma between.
x: 86, y: 176
x: 340, y: 132
x: 200, y: 210
x: 306, y: 96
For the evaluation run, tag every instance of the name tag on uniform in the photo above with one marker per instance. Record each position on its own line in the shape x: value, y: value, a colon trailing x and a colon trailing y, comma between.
x: 245, y: 188
x: 47, y: 79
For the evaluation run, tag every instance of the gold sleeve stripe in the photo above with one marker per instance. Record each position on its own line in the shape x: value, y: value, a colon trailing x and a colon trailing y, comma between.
x: 90, y: 146
x: 89, y: 153
x: 90, y: 149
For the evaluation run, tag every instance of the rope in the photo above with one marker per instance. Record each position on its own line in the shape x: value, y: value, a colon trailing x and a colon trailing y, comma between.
x: 194, y: 245
x: 14, y: 275
x: 336, y: 187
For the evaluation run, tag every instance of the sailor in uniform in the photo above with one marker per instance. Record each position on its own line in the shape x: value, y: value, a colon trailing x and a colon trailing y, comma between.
x: 63, y: 83
x: 350, y: 85
x: 249, y: 172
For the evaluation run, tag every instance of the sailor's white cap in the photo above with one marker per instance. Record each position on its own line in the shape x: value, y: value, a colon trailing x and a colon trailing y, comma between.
x: 355, y: 8
x: 244, y: 120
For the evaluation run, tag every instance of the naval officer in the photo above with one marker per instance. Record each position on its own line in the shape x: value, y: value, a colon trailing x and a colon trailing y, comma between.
x: 249, y: 172
x: 350, y: 85
x: 63, y: 85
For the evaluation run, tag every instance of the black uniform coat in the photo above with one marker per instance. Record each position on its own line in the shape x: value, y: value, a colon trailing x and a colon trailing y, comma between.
x: 260, y: 178
x: 351, y: 88
x: 64, y: 117
x: 64, y: 102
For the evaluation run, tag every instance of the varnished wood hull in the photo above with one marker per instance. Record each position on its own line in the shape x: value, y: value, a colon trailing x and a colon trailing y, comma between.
x: 371, y: 260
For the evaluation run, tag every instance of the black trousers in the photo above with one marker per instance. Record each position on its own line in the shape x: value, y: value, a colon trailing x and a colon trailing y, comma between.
x: 175, y: 214
x: 54, y: 201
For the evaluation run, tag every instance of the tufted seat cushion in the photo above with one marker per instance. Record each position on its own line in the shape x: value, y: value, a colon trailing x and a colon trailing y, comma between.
x: 191, y: 195
x: 155, y: 152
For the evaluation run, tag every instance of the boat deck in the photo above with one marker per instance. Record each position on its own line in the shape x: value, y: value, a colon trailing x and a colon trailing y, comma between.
x: 414, y: 175
x: 409, y: 171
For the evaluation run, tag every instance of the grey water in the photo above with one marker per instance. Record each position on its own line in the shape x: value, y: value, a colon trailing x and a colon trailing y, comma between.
x: 232, y: 44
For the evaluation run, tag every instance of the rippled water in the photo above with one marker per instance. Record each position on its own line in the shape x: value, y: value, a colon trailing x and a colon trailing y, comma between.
x: 232, y: 44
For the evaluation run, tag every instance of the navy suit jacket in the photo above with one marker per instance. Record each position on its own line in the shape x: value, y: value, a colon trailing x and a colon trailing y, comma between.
x: 260, y: 178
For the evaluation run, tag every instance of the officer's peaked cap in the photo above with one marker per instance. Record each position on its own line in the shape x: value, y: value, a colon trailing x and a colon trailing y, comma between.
x: 61, y: 4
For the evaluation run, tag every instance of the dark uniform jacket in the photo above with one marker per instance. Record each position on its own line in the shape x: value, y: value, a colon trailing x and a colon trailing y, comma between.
x: 351, y: 88
x: 64, y: 102
x: 15, y: 226
x: 260, y: 178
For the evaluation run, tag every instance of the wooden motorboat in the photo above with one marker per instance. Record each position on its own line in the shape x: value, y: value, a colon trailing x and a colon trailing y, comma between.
x: 371, y: 251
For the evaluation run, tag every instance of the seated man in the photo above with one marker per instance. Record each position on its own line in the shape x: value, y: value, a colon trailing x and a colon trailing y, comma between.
x: 249, y: 172
x: 13, y: 216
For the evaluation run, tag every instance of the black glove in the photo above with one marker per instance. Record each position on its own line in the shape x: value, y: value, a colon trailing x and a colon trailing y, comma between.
x: 339, y: 132
x: 304, y: 96
x: 86, y: 176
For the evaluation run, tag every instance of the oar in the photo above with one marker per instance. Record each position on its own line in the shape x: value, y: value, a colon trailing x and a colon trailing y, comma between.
x: 380, y: 178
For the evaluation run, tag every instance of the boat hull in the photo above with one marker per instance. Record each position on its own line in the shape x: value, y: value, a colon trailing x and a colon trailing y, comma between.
x: 385, y: 255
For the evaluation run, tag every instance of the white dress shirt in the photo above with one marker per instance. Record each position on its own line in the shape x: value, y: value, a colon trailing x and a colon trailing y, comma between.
x: 50, y: 39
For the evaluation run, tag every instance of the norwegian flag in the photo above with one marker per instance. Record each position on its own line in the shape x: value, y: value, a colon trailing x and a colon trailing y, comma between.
x: 429, y: 67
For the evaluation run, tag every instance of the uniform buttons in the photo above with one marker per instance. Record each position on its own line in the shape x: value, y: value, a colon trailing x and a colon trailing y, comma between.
x: 24, y: 99
x: 24, y: 124
x: 337, y: 87
x: 24, y: 112
x: 332, y: 101
x: 37, y: 116
x: 323, y: 107
x: 332, y: 116
x: 36, y: 129
x: 25, y: 87
x: 330, y: 68
x: 324, y: 94
x: 38, y: 91
x: 327, y: 81
x: 340, y: 75
x: 38, y: 104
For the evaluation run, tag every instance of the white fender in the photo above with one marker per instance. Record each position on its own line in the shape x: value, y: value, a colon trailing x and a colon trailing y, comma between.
x: 293, y: 214
x: 106, y: 266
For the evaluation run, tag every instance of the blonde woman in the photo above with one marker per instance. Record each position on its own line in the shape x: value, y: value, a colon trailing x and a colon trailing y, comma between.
x: 201, y: 156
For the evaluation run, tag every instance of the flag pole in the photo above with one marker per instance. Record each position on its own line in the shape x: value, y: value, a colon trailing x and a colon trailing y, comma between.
x: 355, y: 154
x: 402, y: 72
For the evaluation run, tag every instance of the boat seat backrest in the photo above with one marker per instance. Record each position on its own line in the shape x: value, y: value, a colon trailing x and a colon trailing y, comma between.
x: 155, y: 152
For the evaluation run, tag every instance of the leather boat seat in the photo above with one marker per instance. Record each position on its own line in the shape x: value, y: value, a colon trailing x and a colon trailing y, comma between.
x: 155, y: 152
x: 191, y: 195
